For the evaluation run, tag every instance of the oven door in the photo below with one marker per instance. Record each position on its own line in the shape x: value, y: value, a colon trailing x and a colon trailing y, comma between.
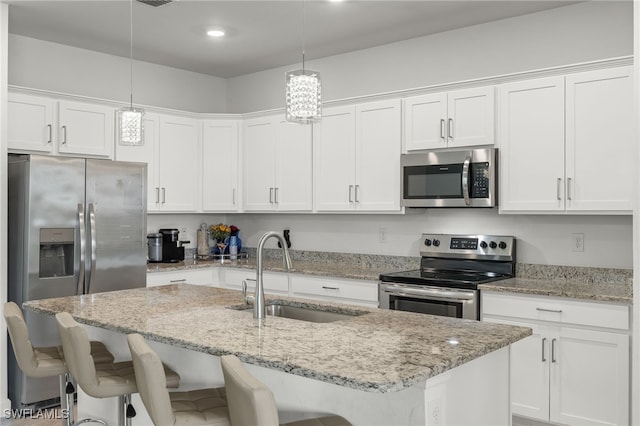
x: 443, y: 301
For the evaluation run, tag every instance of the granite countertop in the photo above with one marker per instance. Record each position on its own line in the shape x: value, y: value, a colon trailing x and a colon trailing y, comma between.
x: 379, y: 351
x: 597, y: 291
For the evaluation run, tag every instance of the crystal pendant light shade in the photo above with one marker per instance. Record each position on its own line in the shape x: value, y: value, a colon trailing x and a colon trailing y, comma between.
x: 130, y: 126
x: 303, y: 96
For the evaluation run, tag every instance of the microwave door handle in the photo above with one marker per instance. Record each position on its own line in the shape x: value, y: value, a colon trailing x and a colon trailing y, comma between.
x: 465, y: 180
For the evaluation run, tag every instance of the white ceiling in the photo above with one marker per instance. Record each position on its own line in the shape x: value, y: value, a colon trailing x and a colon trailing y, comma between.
x: 261, y: 34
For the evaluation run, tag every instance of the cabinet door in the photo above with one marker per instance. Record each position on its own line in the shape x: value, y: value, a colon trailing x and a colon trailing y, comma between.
x: 590, y: 378
x: 259, y: 146
x: 532, y: 145
x: 600, y: 142
x: 220, y: 157
x: 471, y: 117
x: 30, y: 123
x: 85, y: 129
x: 378, y: 146
x: 530, y: 359
x: 425, y: 121
x: 293, y: 167
x: 179, y: 164
x: 146, y: 153
x: 335, y: 157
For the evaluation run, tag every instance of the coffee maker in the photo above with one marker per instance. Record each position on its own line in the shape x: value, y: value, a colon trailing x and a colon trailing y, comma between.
x: 172, y: 249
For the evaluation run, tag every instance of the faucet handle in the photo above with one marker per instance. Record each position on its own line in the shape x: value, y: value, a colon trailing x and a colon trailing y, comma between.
x: 247, y: 299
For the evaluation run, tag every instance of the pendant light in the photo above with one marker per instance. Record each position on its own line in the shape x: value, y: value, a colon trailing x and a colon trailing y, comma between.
x: 303, y: 90
x: 130, y: 125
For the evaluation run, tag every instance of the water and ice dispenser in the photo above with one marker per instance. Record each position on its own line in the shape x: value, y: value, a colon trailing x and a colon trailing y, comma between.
x: 56, y: 252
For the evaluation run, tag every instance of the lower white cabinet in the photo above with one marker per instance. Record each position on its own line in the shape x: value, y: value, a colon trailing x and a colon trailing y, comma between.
x: 574, y: 368
x: 201, y: 276
x: 274, y: 282
x: 332, y: 289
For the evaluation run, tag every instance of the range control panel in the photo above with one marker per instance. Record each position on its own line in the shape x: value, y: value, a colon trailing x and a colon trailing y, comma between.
x: 486, y: 247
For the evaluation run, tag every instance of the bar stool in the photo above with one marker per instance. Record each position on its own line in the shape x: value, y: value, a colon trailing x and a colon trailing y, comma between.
x: 251, y: 402
x: 101, y: 380
x: 194, y: 408
x: 41, y: 362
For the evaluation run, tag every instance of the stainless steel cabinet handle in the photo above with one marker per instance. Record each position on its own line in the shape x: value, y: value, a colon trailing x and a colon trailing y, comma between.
x: 558, y: 184
x: 350, y: 193
x: 164, y: 193
x: 555, y: 311
x: 553, y: 350
x: 64, y: 135
x: 544, y: 340
x: 442, y: 128
x: 568, y: 188
x: 276, y: 194
x: 271, y: 195
x: 83, y: 248
x: 465, y: 179
x: 50, y: 132
x: 157, y: 195
x: 94, y: 245
x: 330, y: 288
x: 357, y: 188
x: 183, y: 280
x: 451, y: 128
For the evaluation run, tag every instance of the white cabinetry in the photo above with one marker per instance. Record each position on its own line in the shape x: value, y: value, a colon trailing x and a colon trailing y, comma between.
x: 357, y: 158
x: 450, y: 119
x: 200, y: 276
x: 567, y: 152
x: 220, y: 166
x: 44, y: 124
x: 341, y: 290
x: 277, y: 165
x: 274, y: 282
x: 574, y: 369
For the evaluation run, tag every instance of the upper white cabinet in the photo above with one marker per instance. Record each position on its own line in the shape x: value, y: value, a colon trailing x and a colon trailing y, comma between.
x: 357, y: 158
x: 277, y: 165
x: 220, y: 166
x: 450, y: 119
x: 566, y: 143
x: 44, y: 124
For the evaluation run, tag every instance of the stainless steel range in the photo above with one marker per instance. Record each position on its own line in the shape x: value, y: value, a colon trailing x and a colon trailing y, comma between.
x: 451, y: 268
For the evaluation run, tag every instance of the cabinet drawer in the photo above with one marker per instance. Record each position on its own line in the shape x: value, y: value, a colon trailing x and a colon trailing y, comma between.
x: 551, y: 309
x: 359, y: 291
x: 199, y: 277
x: 273, y: 282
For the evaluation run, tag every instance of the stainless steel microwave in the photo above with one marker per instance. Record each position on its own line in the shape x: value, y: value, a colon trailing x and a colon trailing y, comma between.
x: 460, y: 178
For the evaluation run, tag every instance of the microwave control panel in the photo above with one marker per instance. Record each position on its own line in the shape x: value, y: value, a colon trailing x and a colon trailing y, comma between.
x: 479, y: 180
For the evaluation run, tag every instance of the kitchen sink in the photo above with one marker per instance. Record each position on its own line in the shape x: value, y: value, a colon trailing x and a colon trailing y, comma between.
x: 306, y: 314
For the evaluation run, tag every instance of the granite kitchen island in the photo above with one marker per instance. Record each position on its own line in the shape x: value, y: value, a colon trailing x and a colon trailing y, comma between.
x: 376, y: 367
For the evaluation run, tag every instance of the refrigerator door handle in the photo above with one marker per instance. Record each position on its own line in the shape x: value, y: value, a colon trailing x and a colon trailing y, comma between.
x: 92, y: 223
x: 83, y: 240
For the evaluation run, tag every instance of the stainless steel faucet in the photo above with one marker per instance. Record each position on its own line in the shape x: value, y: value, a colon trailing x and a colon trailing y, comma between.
x: 258, y: 305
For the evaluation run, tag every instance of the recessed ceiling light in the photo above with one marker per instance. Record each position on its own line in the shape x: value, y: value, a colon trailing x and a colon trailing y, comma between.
x: 215, y: 33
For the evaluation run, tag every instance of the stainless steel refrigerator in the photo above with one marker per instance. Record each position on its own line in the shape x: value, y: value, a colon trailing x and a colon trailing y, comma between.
x: 76, y: 226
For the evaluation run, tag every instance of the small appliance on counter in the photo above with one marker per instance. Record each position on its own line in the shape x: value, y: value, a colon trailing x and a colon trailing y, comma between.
x: 154, y: 247
x: 172, y: 247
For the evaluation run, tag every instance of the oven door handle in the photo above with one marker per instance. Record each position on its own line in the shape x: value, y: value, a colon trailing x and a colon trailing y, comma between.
x: 465, y: 179
x: 431, y: 293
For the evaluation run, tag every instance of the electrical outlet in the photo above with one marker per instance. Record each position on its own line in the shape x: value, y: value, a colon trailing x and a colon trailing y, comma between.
x: 577, y: 242
x: 435, y: 412
x: 382, y: 235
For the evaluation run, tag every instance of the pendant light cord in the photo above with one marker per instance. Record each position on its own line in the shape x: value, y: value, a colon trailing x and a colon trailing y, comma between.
x: 303, y: 18
x: 131, y: 53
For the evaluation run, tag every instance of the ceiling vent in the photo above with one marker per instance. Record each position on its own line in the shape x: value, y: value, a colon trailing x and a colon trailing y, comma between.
x: 155, y: 3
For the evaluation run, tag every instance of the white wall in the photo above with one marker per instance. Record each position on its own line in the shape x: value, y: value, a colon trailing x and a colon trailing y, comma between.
x: 56, y: 67
x: 571, y: 34
x: 540, y: 239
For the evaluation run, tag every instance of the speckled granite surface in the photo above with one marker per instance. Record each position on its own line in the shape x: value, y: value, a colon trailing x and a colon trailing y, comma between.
x: 379, y: 351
